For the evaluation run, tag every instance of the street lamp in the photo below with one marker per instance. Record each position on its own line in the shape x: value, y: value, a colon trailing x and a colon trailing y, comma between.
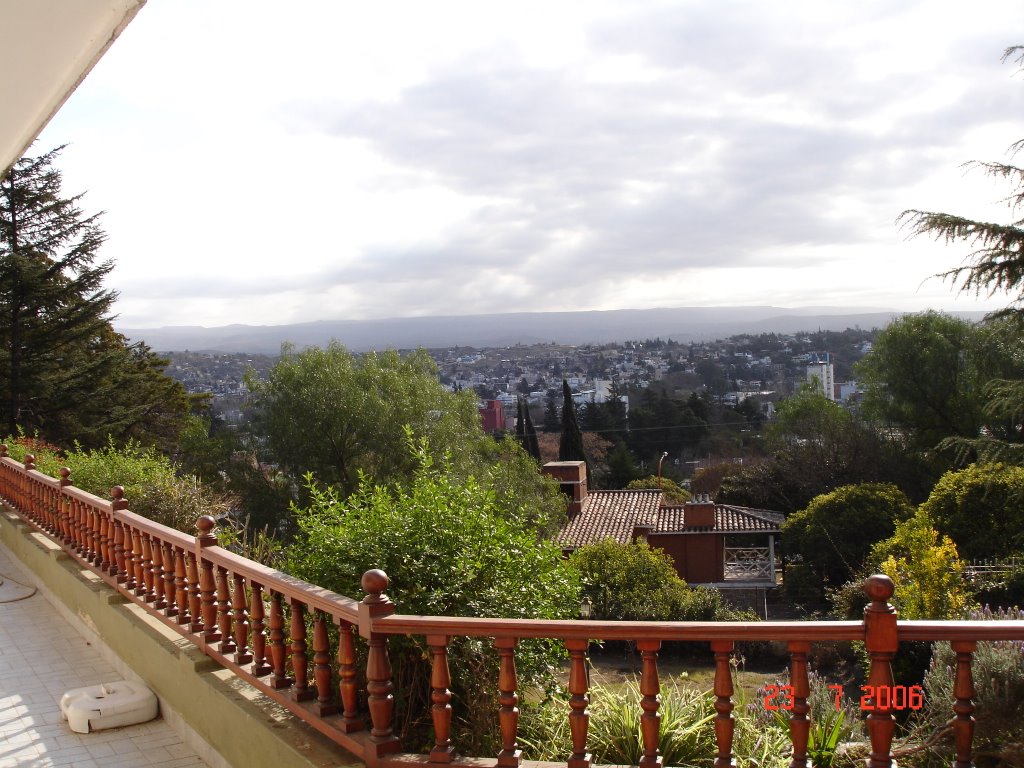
x: 586, y: 607
x: 663, y: 457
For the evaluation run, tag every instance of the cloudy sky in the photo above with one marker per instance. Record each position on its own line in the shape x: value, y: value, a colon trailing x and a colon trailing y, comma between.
x: 269, y: 163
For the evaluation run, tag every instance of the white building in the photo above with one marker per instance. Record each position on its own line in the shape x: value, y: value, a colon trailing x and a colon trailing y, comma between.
x: 821, y: 375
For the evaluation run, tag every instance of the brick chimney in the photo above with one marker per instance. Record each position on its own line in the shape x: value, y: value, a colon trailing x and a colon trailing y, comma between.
x: 572, y: 477
x: 699, y: 513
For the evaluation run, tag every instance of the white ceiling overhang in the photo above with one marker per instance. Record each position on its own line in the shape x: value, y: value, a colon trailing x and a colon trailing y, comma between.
x: 46, y: 48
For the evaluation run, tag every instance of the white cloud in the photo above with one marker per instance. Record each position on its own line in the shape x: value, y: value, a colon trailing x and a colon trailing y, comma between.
x: 260, y: 164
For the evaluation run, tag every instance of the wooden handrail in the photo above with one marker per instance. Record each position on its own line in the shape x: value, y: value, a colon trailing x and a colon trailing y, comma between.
x: 316, y: 598
x: 566, y: 629
x: 275, y: 631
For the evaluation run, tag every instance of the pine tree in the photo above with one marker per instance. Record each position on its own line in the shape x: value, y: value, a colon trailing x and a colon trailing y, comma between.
x: 570, y: 446
x: 64, y: 372
x: 995, y: 265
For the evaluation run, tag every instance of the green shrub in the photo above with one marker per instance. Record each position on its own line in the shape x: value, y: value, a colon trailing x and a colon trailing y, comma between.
x: 981, y: 508
x: 925, y: 568
x: 1001, y: 590
x: 614, y: 737
x: 800, y: 585
x: 449, y: 550
x: 49, y: 457
x: 999, y: 690
x: 836, y: 531
x: 849, y: 600
x: 635, y: 582
x: 151, y: 485
x: 670, y: 489
x: 832, y: 722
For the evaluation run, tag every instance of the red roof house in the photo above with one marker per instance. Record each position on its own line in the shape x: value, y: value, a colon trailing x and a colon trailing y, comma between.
x: 716, y: 544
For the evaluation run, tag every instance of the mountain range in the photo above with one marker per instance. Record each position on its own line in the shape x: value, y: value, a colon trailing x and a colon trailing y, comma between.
x: 683, y: 324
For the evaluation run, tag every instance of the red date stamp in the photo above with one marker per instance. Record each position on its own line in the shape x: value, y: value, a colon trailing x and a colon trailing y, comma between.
x: 874, y: 698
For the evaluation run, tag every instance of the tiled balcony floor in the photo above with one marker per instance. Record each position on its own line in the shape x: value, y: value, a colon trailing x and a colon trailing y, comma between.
x: 41, y: 657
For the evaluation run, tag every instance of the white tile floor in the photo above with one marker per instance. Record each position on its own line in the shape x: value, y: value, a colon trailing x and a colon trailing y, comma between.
x: 41, y: 657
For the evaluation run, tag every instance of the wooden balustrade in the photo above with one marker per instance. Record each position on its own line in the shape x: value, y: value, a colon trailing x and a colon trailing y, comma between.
x: 276, y: 632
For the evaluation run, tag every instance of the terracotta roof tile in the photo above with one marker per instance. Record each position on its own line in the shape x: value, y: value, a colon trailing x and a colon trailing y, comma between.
x: 610, y: 514
x: 728, y: 519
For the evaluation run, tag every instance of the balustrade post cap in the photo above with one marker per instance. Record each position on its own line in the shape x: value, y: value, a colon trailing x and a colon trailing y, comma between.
x: 65, y: 473
x: 205, y: 525
x: 374, y: 582
x: 30, y: 459
x: 879, y: 588
x: 3, y: 449
x: 116, y: 493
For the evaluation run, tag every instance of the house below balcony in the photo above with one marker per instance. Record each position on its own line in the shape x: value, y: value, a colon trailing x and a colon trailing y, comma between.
x: 717, y: 545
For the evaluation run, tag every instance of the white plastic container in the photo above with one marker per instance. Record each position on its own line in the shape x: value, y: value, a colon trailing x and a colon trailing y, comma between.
x: 109, y: 705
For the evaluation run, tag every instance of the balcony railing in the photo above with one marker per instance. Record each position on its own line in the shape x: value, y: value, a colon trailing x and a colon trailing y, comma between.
x: 749, y: 564
x: 253, y: 620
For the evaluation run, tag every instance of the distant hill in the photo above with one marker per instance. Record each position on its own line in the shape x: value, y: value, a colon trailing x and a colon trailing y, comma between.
x: 682, y: 324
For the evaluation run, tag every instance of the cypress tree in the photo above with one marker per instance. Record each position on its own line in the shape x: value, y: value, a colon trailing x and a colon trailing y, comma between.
x: 552, y: 423
x: 529, y: 433
x: 570, y: 447
x: 521, y: 422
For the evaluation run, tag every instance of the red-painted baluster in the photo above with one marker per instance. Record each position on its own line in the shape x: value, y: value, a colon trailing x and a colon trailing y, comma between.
x: 170, y: 593
x: 650, y: 688
x: 195, y: 600
x: 46, y: 496
x: 881, y: 640
x: 84, y: 534
x: 96, y: 530
x: 227, y: 641
x: 78, y: 527
x: 725, y: 724
x: 104, y: 536
x: 440, y: 697
x: 799, y: 725
x: 508, y: 713
x: 26, y: 505
x: 322, y: 666
x: 348, y: 688
x: 63, y: 508
x: 70, y: 525
x: 380, y: 700
x: 239, y: 604
x: 278, y: 648
x: 129, y: 584
x: 208, y: 596
x: 149, y: 593
x: 260, y: 664
x: 181, y: 595
x: 118, y: 568
x: 579, y: 699
x: 56, y: 504
x: 156, y: 572
x: 300, y: 662
x: 82, y: 530
x: 139, y: 563
x: 207, y: 582
x: 963, y: 691
x: 91, y: 543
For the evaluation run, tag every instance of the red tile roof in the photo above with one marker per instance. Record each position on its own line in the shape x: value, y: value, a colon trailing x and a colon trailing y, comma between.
x: 728, y: 519
x: 617, y: 514
x: 610, y: 515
